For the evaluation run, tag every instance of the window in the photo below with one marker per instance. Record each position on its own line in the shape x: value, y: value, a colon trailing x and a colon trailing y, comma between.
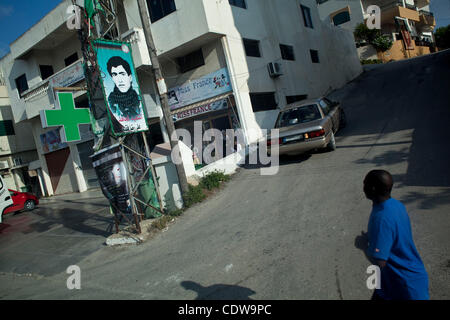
x: 263, y: 101
x: 21, y: 84
x: 160, y: 8
x: 238, y: 3
x: 287, y: 52
x: 314, y: 56
x: 325, y: 107
x: 71, y: 59
x: 321, y: 1
x: 191, y: 61
x: 252, y: 48
x: 298, y: 115
x: 46, y: 71
x: 6, y: 128
x: 341, y: 18
x: 307, y: 16
x: 292, y: 99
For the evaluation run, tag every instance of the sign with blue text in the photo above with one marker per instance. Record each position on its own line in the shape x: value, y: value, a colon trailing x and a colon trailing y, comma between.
x: 207, y: 87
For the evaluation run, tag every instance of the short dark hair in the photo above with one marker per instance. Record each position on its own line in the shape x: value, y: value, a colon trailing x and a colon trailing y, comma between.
x: 380, y: 181
x: 118, y: 61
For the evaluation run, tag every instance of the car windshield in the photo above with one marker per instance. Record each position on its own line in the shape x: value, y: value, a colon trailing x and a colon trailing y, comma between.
x: 299, y: 115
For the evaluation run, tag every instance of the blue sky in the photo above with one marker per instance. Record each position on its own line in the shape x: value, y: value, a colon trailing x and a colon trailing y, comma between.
x: 17, y: 16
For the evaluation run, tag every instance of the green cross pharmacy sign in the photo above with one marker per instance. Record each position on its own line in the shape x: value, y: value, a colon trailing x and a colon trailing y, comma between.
x: 67, y: 116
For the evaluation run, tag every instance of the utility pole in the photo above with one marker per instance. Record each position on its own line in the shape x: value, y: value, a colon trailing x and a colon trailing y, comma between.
x: 162, y: 92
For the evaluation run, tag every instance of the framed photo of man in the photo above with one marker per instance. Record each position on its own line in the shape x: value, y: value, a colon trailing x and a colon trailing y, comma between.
x: 120, y: 86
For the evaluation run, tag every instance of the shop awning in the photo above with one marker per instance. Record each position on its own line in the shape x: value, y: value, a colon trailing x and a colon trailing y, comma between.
x: 201, y: 103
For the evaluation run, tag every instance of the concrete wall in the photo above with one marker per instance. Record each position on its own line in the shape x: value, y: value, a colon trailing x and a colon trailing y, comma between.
x: 271, y: 23
x: 356, y: 12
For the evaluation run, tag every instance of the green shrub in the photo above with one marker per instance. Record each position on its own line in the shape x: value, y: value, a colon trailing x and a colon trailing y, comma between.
x: 194, y: 195
x: 382, y: 43
x: 213, y: 180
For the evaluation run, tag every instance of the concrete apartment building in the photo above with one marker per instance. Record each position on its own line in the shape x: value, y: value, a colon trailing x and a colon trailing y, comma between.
x: 245, y: 59
x: 409, y: 23
x: 17, y: 149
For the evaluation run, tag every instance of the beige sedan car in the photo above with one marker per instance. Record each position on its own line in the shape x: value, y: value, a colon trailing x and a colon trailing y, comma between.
x: 308, y: 125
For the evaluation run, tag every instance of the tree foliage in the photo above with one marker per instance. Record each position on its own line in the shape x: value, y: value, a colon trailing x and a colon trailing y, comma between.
x: 442, y: 36
x: 372, y: 36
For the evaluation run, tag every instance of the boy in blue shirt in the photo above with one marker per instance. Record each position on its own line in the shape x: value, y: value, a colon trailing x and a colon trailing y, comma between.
x: 391, y: 245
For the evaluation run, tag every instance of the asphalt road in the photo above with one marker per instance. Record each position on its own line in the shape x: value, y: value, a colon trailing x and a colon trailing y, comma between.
x: 288, y: 236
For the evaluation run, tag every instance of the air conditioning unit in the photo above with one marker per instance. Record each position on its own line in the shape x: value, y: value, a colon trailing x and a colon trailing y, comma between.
x: 275, y: 69
x: 4, y: 165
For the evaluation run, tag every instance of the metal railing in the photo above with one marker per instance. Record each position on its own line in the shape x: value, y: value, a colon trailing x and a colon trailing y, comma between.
x: 397, y: 3
x: 426, y: 13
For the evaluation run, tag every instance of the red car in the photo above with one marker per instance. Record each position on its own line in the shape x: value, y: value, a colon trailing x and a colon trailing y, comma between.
x: 21, y: 201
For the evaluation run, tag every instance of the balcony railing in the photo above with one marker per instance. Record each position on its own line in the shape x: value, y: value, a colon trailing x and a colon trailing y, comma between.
x: 63, y: 78
x: 426, y: 13
x: 397, y: 3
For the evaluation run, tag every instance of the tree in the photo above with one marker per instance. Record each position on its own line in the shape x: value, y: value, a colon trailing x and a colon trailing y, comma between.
x: 382, y: 43
x: 372, y: 36
x: 364, y: 34
x: 442, y: 36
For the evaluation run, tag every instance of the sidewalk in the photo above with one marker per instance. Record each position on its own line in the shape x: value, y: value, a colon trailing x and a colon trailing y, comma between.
x: 87, y: 195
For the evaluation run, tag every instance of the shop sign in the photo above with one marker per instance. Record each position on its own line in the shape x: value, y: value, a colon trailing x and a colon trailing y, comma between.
x: 210, y: 107
x: 51, y: 141
x: 207, y: 87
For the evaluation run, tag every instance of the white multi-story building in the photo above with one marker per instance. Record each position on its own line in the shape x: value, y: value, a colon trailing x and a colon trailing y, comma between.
x: 227, y: 64
x: 17, y: 149
x: 408, y: 23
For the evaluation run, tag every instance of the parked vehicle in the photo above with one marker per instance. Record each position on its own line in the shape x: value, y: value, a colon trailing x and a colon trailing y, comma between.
x: 21, y: 201
x: 308, y: 125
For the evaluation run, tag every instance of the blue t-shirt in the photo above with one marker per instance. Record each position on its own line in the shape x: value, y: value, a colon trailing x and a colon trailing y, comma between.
x: 390, y: 239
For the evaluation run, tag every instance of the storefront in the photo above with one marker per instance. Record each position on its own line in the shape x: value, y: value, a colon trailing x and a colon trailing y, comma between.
x: 208, y: 100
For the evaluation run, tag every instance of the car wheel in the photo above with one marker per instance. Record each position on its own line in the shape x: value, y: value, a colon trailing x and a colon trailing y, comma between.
x: 29, y: 205
x: 342, y: 120
x: 332, y: 144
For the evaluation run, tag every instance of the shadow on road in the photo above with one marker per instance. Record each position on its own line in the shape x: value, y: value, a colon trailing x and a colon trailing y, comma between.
x: 412, y: 96
x: 218, y: 291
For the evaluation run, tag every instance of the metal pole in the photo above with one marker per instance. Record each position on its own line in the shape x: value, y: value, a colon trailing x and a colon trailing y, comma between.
x: 155, y: 181
x: 162, y: 92
x: 133, y: 204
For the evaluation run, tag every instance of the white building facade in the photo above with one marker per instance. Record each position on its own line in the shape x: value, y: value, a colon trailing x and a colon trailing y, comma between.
x: 260, y: 54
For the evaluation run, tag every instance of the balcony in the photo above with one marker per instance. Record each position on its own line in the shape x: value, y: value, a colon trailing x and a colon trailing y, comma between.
x: 136, y: 38
x: 427, y: 21
x: 396, y: 9
x: 40, y: 96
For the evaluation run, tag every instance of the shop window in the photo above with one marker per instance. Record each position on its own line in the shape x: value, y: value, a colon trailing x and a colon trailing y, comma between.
x: 252, y: 48
x: 160, y: 8
x: 263, y: 101
x: 314, y: 56
x: 341, y: 18
x: 71, y: 59
x: 21, y: 84
x: 6, y: 128
x: 238, y: 3
x: 191, y: 61
x: 292, y: 99
x: 306, y: 12
x: 46, y: 71
x: 287, y: 52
